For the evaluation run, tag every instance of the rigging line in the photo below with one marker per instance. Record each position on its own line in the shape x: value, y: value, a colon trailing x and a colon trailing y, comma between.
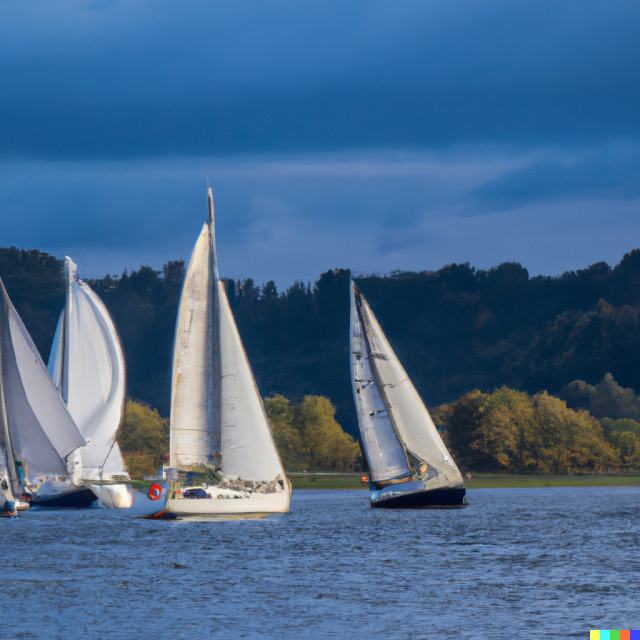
x: 105, y: 460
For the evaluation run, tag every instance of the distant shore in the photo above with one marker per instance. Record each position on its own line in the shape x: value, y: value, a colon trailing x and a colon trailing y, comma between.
x: 478, y: 481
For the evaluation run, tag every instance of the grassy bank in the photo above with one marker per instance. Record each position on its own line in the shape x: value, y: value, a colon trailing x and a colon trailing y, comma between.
x: 479, y: 481
x: 310, y: 481
x: 495, y: 481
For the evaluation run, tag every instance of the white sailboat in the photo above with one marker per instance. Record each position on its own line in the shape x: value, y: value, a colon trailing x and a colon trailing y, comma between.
x: 218, y: 420
x: 409, y: 463
x: 87, y: 366
x: 40, y: 440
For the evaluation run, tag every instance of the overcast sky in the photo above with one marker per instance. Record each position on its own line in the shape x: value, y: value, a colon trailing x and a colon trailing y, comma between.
x: 369, y: 135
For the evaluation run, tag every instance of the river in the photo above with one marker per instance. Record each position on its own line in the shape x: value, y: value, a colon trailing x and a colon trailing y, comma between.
x: 516, y: 564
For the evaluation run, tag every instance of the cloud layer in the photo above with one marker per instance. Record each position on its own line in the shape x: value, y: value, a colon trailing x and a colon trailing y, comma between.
x: 140, y: 78
x: 292, y: 218
x: 364, y: 134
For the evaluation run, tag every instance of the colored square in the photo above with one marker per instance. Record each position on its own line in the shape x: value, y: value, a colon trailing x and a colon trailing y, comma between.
x: 604, y: 634
x: 594, y: 634
x: 625, y: 635
x: 634, y: 634
x: 614, y: 634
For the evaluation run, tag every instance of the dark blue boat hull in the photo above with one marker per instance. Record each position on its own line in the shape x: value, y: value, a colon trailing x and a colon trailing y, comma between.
x: 413, y: 495
x: 80, y: 499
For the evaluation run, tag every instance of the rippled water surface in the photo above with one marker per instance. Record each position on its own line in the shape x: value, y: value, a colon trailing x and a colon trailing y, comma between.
x: 517, y: 563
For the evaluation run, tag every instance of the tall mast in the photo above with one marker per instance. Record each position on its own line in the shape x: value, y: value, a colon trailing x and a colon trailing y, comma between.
x: 212, y: 230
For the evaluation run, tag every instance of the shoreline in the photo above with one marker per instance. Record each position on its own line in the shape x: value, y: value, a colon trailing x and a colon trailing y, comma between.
x: 478, y: 481
x: 304, y: 481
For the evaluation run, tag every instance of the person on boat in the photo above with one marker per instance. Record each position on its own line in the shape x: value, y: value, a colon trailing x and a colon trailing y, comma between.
x: 7, y: 504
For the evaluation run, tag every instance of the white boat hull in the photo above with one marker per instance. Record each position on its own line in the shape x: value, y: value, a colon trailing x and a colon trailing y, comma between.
x: 255, y: 504
x: 133, y: 503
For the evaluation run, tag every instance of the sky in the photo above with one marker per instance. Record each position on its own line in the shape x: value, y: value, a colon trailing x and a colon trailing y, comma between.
x: 355, y: 134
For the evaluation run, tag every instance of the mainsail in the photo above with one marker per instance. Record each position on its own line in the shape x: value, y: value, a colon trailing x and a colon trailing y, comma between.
x: 87, y: 366
x: 217, y: 415
x: 41, y: 432
x: 406, y: 425
x: 385, y: 454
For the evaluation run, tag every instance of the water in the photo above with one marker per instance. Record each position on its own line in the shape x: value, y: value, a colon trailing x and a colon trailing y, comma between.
x: 517, y: 563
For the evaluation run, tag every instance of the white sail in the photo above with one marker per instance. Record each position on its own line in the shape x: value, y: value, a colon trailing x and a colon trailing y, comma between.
x: 385, y: 455
x: 87, y: 366
x: 411, y: 420
x: 216, y: 406
x: 42, y: 432
x: 193, y: 438
x: 248, y: 450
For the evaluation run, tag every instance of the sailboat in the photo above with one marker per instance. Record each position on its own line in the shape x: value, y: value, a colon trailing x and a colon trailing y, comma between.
x: 218, y: 420
x: 40, y: 441
x: 87, y: 366
x: 409, y: 463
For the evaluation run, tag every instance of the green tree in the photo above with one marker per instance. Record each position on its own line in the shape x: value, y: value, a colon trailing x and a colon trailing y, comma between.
x: 143, y: 439
x: 286, y: 436
x: 308, y: 437
x: 328, y: 445
x: 571, y: 440
x: 461, y: 420
x: 506, y: 430
x: 623, y: 424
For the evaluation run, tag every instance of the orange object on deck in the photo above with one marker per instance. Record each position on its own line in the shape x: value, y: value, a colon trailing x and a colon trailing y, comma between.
x: 155, y: 492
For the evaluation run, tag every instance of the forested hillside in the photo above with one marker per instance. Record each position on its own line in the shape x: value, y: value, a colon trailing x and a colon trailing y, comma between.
x: 455, y: 329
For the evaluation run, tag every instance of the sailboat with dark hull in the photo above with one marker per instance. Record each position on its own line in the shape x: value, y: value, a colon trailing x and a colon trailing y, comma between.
x: 409, y: 464
x: 39, y: 442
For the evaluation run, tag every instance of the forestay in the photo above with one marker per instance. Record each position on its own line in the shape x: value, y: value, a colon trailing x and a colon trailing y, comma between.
x: 41, y: 431
x: 408, y: 413
x: 385, y: 455
x: 87, y: 366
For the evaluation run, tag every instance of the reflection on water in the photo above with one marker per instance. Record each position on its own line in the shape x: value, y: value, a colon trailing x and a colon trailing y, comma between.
x: 517, y: 563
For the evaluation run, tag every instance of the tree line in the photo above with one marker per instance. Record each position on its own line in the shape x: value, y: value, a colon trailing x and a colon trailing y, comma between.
x: 455, y: 329
x: 306, y: 435
x: 587, y: 429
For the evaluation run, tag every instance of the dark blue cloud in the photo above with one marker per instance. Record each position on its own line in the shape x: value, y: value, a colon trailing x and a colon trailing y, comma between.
x: 364, y: 134
x: 598, y: 173
x: 146, y: 78
x: 291, y: 217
